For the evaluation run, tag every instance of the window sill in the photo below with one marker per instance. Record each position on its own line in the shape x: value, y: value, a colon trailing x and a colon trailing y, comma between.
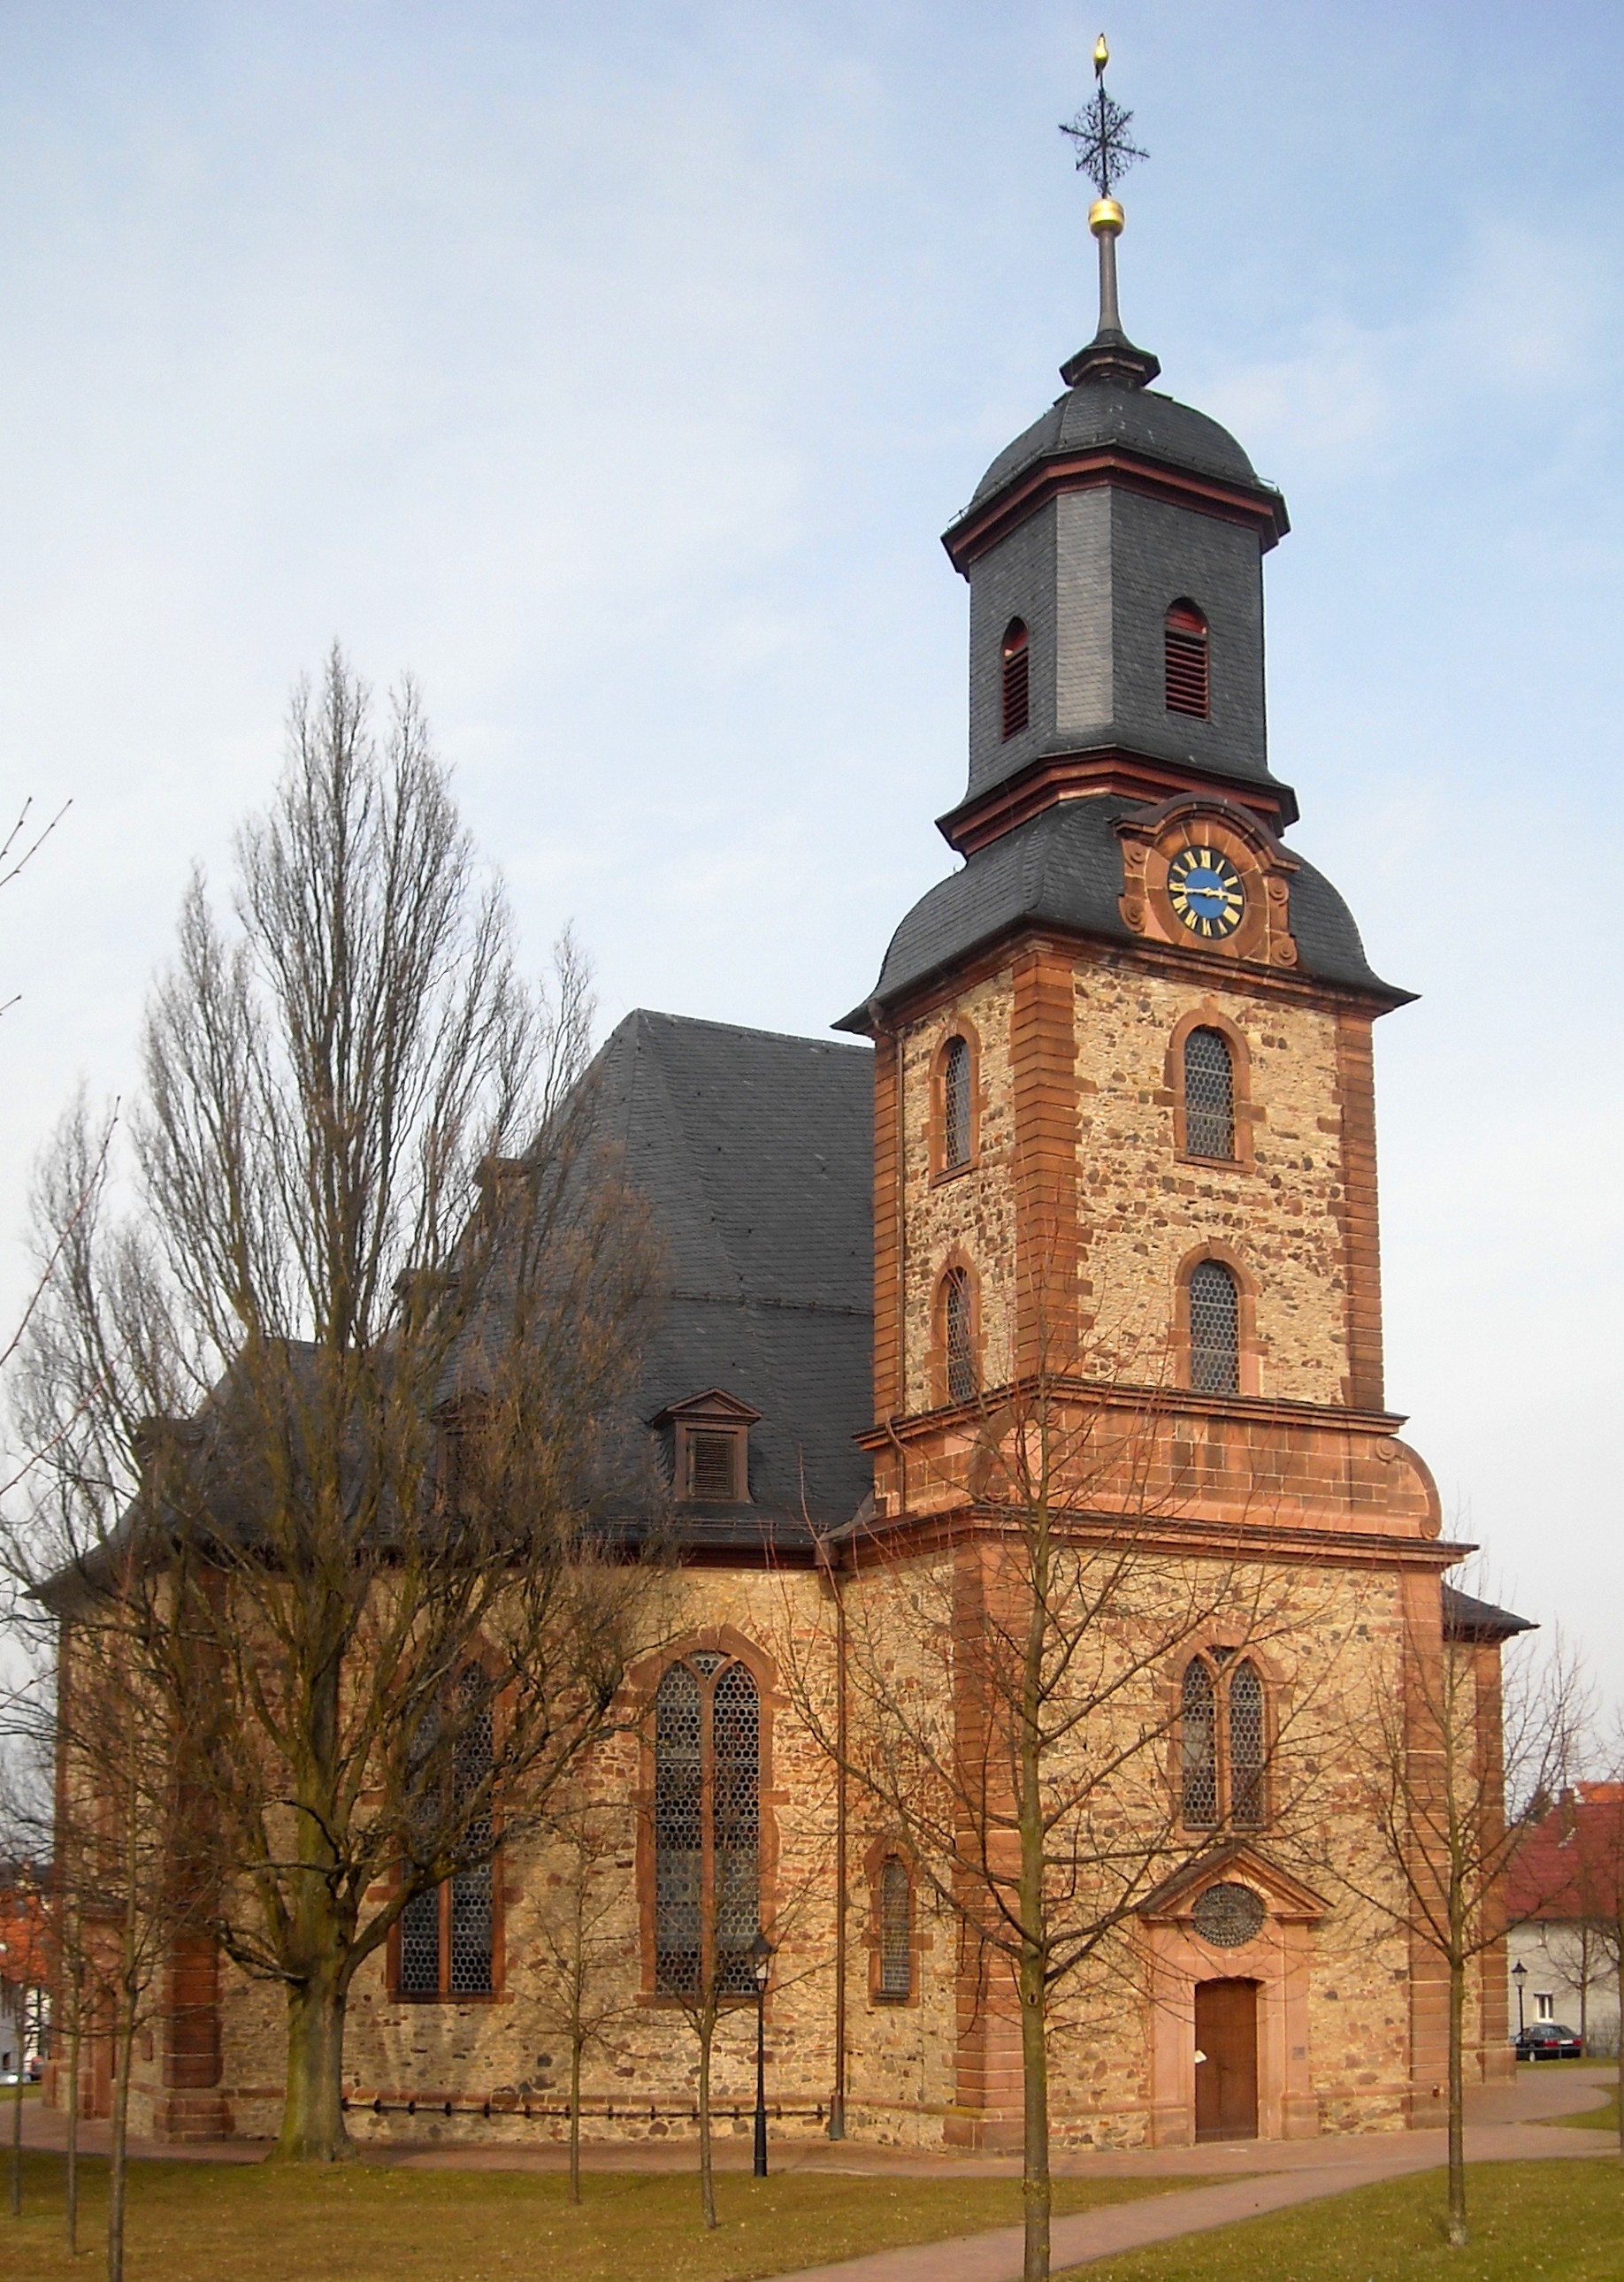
x: 945, y: 1173
x: 472, y: 1996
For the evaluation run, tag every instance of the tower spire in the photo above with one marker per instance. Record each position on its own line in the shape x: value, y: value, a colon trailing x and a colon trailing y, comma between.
x: 1099, y: 137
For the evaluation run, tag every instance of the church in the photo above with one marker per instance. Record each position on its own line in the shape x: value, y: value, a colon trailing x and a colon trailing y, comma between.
x: 1105, y: 1125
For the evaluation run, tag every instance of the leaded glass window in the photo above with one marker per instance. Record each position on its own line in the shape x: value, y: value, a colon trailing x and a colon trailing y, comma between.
x: 1214, y: 1329
x: 1199, y: 1748
x: 957, y: 1335
x: 1209, y: 1095
x: 895, y: 1932
x: 707, y: 1826
x: 955, y: 1105
x: 679, y: 1823
x: 446, y: 1939
x: 420, y: 1945
x: 1246, y: 1747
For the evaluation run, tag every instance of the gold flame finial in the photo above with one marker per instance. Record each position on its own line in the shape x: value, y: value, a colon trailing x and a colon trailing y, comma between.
x: 1102, y: 57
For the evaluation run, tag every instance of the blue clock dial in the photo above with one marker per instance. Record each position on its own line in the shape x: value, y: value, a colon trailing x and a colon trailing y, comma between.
x: 1204, y: 888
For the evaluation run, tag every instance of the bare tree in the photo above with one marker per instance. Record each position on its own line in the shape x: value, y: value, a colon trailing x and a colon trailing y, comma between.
x: 586, y: 1949
x: 1010, y: 1718
x: 1455, y: 1762
x: 96, y: 1779
x: 329, y: 1409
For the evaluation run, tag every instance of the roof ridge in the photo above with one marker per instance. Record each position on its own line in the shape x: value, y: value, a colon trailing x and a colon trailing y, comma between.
x: 740, y: 1030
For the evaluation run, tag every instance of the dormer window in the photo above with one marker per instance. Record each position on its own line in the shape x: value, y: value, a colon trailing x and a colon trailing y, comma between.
x: 1017, y: 657
x: 709, y: 1448
x: 1185, y: 642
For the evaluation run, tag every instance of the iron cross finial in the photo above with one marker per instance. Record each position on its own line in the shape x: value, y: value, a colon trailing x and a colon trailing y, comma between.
x: 1100, y: 132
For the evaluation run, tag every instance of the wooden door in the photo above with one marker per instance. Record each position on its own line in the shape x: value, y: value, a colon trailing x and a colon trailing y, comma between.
x: 1226, y: 2060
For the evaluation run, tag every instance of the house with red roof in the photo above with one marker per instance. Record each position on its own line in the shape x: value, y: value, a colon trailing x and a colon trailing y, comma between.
x: 1562, y: 1896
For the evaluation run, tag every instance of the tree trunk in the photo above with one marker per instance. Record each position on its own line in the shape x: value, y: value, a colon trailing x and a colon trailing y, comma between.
x: 575, y: 2118
x: 1457, y: 2103
x: 1618, y: 1985
x: 118, y: 2163
x: 313, y: 2126
x: 1037, y: 2194
x: 17, y: 2113
x: 1036, y: 2190
x: 75, y: 2048
x: 707, y: 2177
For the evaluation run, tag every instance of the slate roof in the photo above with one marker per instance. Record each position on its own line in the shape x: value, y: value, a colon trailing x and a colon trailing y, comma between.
x: 1063, y: 868
x: 1134, y: 419
x: 1465, y: 1617
x: 756, y: 1152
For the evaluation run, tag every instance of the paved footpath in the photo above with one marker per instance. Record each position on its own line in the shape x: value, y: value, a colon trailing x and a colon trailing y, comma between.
x: 1504, y: 2125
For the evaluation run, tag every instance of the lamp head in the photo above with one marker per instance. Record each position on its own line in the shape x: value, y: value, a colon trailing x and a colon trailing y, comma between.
x: 760, y: 1955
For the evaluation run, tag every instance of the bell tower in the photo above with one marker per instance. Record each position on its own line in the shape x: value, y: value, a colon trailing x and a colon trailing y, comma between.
x: 1124, y: 1116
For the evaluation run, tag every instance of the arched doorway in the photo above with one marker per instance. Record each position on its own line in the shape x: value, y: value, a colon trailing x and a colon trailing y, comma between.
x: 1226, y: 2060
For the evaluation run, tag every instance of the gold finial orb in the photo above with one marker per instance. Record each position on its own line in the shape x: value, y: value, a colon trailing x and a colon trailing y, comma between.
x: 1102, y: 55
x: 1105, y: 218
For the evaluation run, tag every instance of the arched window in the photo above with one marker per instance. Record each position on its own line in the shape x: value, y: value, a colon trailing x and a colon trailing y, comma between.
x: 895, y: 1976
x: 1214, y: 1329
x: 1185, y: 646
x: 707, y: 1827
x: 958, y: 1339
x: 446, y: 1932
x: 956, y: 1103
x: 1017, y: 688
x: 1199, y: 1752
x: 1224, y: 1743
x: 1246, y: 1747
x: 1209, y: 1095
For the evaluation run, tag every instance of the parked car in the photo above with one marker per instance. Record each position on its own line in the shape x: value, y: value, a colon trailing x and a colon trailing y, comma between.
x: 1549, y: 2041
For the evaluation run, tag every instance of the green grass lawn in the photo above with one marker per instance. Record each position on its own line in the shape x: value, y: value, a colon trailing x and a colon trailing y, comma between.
x: 1552, y: 2222
x: 367, y: 2223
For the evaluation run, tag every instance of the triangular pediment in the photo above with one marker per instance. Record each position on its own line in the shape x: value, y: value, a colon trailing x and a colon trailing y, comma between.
x: 1240, y: 1861
x: 714, y: 1407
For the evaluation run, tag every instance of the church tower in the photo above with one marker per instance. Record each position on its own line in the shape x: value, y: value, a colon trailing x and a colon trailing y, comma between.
x: 1124, y: 1143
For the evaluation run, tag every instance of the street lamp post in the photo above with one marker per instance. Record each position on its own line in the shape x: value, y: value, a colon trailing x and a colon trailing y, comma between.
x: 760, y: 1966
x: 1520, y: 1973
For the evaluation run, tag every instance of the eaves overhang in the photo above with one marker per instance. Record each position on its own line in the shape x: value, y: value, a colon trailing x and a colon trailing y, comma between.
x: 1259, y: 506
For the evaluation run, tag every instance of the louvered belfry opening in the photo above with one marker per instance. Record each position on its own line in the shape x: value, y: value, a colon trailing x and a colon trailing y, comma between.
x: 1017, y: 656
x: 1209, y: 1095
x: 1214, y: 1329
x: 896, y: 1984
x: 707, y: 1826
x: 957, y: 1335
x: 955, y: 1105
x: 712, y: 1467
x: 1185, y: 639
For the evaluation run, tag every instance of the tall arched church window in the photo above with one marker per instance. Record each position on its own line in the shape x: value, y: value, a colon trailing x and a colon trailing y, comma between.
x: 1184, y: 643
x: 446, y: 1939
x: 1016, y: 655
x: 1223, y: 1746
x: 1214, y: 1329
x: 1246, y: 1747
x: 707, y: 1826
x: 957, y: 1335
x: 1209, y: 1095
x: 956, y: 1103
x: 895, y: 1977
x: 1199, y: 1748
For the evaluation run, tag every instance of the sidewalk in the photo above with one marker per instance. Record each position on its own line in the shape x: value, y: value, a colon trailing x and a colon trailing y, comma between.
x: 1504, y: 2125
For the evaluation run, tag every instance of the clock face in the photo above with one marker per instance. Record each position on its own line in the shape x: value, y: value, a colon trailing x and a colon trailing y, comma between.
x: 1204, y: 888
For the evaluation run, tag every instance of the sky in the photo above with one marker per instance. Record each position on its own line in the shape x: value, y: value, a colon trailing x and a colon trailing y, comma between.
x: 615, y: 371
